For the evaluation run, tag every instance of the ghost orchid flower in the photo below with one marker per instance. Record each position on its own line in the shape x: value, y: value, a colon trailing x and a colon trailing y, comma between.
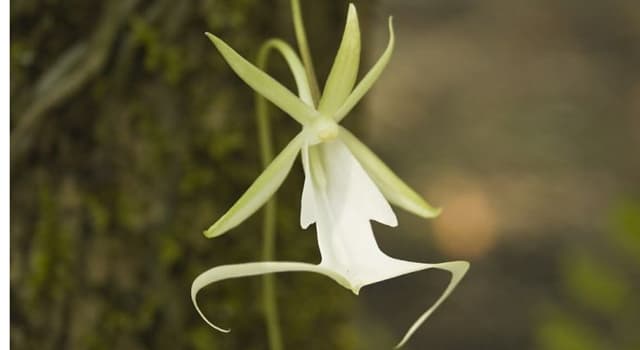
x: 346, y: 185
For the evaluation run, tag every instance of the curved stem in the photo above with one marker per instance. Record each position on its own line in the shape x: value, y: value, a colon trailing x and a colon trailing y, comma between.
x: 269, y: 301
x: 309, y: 92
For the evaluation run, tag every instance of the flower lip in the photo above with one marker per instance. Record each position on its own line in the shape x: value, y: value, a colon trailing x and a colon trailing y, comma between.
x: 321, y: 129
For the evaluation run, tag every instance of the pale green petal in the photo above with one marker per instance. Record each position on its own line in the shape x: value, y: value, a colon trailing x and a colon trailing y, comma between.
x: 394, y: 189
x: 457, y: 269
x: 365, y: 84
x: 265, y: 85
x: 297, y: 69
x: 303, y: 46
x: 220, y: 273
x: 260, y: 191
x: 344, y: 72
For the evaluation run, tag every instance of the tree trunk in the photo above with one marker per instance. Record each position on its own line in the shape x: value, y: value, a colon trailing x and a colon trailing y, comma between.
x: 130, y: 136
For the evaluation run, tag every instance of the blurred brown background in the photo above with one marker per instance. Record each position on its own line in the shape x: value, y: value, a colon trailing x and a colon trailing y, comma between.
x: 130, y: 135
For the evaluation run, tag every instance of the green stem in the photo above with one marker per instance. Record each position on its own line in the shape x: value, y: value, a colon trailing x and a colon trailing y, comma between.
x: 306, y: 88
x: 303, y: 46
x: 269, y: 301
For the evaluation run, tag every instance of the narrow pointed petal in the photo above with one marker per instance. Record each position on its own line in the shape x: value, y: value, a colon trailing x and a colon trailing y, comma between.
x: 394, y: 189
x: 294, y: 63
x: 344, y: 71
x: 372, y: 76
x: 225, y: 272
x: 457, y: 269
x: 260, y: 191
x: 265, y: 85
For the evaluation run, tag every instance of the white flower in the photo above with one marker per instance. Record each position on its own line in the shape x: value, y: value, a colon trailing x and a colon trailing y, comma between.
x: 345, y: 185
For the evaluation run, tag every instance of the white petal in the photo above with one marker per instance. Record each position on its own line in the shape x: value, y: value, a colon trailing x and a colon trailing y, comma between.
x: 344, y: 200
x: 393, y: 188
x: 350, y: 187
x: 457, y: 269
x: 343, y: 208
x: 307, y: 207
x: 220, y: 273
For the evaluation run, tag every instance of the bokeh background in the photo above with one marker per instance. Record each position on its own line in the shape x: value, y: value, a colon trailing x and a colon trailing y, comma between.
x: 130, y: 135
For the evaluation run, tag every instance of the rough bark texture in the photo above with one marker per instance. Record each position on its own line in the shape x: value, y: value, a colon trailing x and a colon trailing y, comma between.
x: 130, y: 135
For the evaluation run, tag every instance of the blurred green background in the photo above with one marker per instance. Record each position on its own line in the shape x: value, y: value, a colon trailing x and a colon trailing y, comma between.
x: 130, y: 135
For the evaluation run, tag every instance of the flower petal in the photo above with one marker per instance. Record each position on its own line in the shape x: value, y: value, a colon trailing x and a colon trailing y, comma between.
x: 457, y: 269
x: 220, y: 273
x: 297, y: 69
x: 303, y: 46
x: 365, y: 84
x: 260, y: 191
x: 307, y: 206
x: 338, y: 188
x: 264, y: 84
x: 342, y: 199
x: 344, y: 72
x: 394, y: 189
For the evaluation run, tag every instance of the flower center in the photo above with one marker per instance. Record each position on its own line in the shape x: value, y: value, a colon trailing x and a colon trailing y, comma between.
x: 322, y: 129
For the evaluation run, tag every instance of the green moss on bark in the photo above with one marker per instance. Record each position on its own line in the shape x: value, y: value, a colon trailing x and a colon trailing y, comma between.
x: 131, y: 136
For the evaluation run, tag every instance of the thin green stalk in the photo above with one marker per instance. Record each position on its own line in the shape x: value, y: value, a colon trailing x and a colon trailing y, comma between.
x: 306, y: 87
x: 303, y: 46
x: 269, y: 301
